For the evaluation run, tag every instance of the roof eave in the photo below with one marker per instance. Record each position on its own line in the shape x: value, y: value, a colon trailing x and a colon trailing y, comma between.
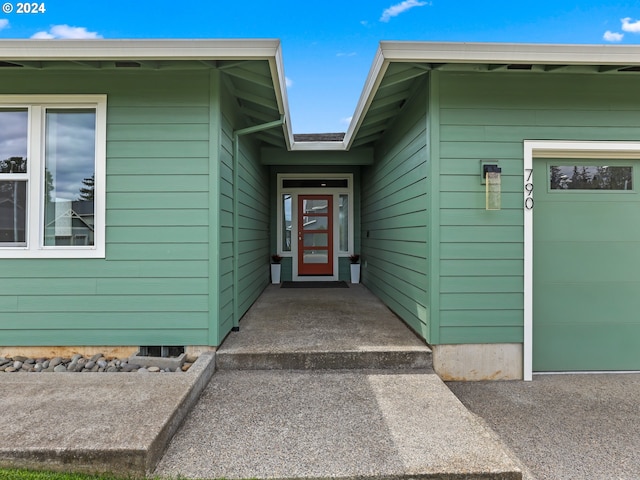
x: 180, y: 49
x: 490, y: 53
x: 457, y: 52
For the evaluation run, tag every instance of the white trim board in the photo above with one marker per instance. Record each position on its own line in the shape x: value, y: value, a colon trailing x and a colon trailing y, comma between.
x: 554, y: 149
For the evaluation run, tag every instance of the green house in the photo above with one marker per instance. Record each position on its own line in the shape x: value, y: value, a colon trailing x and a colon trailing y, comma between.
x: 145, y: 184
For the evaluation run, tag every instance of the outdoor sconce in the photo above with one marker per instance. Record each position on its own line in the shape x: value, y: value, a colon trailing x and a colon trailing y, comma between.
x: 492, y: 179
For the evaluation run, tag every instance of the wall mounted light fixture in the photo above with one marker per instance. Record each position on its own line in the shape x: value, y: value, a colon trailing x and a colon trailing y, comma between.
x: 491, y: 174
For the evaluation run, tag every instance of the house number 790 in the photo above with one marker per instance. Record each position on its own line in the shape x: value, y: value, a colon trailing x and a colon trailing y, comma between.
x: 528, y: 189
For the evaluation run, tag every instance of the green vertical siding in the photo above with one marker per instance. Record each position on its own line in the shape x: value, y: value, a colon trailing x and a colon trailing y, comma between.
x: 394, y: 218
x: 488, y: 116
x: 152, y: 288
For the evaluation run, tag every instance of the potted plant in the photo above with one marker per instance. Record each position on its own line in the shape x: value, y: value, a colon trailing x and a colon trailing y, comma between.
x: 276, y: 268
x: 355, y: 268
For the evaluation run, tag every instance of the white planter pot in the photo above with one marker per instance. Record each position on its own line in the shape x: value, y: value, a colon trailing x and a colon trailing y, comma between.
x: 276, y: 268
x: 355, y: 273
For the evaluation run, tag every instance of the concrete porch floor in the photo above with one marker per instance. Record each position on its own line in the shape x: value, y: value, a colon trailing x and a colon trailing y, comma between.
x: 320, y: 328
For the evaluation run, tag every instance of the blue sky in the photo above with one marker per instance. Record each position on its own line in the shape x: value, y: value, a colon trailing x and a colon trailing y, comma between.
x: 328, y: 46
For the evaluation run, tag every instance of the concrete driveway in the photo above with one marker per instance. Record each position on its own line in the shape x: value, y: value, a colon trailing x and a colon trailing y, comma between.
x: 564, y: 426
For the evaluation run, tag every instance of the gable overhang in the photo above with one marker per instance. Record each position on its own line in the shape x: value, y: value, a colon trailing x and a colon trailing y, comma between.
x: 230, y: 56
x: 397, y: 66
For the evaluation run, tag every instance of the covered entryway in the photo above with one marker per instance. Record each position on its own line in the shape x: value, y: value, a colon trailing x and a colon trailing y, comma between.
x: 586, y: 259
x: 315, y: 216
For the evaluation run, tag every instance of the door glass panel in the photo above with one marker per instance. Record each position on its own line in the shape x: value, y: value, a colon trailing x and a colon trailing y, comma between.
x: 315, y: 206
x: 344, y: 223
x: 13, y: 213
x: 69, y: 176
x: 590, y: 177
x: 316, y: 240
x: 315, y: 223
x: 315, y: 256
x: 286, y: 222
x: 13, y: 140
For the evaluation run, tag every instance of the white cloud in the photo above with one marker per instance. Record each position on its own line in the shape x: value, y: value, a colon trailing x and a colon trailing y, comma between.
x: 4, y: 23
x: 288, y: 82
x: 342, y: 54
x: 399, y: 8
x: 628, y: 25
x: 346, y: 120
x: 613, y: 36
x: 65, y: 31
x: 42, y: 36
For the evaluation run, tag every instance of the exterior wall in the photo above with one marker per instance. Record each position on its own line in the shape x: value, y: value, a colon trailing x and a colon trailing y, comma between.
x: 487, y: 116
x: 152, y: 288
x: 253, y: 219
x: 395, y: 218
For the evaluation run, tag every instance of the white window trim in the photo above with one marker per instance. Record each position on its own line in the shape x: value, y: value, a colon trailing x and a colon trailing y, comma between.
x: 35, y: 245
x: 336, y: 192
x: 535, y: 149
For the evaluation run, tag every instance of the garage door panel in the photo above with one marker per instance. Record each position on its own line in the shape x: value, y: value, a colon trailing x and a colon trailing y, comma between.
x: 586, y: 275
x: 597, y: 221
x: 588, y: 303
x: 587, y: 348
x: 558, y: 262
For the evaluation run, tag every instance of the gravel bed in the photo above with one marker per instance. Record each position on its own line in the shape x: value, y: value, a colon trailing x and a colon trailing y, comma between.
x: 79, y: 363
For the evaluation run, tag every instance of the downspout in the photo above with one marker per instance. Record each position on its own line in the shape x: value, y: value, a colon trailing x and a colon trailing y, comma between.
x: 236, y: 203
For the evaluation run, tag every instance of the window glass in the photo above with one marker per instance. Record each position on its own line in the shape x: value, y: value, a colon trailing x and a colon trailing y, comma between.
x: 315, y: 256
x: 315, y: 206
x: 13, y: 140
x: 69, y: 204
x: 315, y: 223
x: 286, y: 222
x: 13, y: 166
x: 590, y: 177
x: 344, y: 222
x: 13, y: 213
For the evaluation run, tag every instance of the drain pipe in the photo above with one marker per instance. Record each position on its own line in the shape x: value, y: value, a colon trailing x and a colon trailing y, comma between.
x: 236, y: 203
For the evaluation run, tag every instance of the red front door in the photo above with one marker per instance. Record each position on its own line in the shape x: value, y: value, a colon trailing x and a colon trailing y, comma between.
x: 315, y: 235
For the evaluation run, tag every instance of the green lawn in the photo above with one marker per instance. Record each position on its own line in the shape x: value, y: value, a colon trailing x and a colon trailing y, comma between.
x: 30, y: 475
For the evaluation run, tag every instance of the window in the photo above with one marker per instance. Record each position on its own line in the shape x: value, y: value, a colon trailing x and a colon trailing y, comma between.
x: 52, y: 176
x: 590, y: 177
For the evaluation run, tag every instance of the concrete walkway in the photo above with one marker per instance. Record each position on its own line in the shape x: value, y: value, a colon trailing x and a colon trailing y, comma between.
x: 291, y: 400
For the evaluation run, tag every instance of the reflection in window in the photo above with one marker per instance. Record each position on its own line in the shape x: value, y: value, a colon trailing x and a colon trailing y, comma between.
x: 315, y: 223
x: 69, y: 177
x: 344, y: 222
x: 13, y: 213
x: 13, y: 176
x: 315, y: 206
x: 590, y: 177
x: 286, y: 222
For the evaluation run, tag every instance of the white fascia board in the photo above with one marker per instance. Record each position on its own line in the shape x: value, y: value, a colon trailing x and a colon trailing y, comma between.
x: 280, y: 85
x: 318, y: 146
x: 457, y: 52
x: 181, y: 49
x: 374, y: 78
